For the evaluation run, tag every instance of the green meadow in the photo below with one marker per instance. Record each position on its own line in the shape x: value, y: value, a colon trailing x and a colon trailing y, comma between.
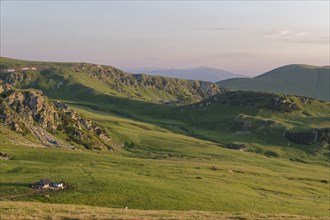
x: 160, y: 169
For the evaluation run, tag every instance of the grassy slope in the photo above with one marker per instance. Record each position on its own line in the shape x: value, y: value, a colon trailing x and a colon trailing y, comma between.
x: 217, y: 181
x: 303, y: 80
x: 75, y: 79
x: 220, y: 120
x: 161, y: 169
x: 165, y: 170
x: 212, y: 122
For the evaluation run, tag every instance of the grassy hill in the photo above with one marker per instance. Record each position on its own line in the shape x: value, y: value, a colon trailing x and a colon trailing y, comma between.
x: 274, y: 125
x: 263, y: 122
x: 302, y: 80
x: 172, y: 157
x: 75, y: 80
x: 175, y: 173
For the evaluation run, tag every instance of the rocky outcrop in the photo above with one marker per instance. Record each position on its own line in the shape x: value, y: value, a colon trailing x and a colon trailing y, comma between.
x: 31, y: 106
x: 81, y: 122
x: 236, y: 146
x: 310, y: 137
x: 31, y: 112
x: 171, y: 85
x: 183, y: 91
x: 283, y: 104
x: 4, y: 86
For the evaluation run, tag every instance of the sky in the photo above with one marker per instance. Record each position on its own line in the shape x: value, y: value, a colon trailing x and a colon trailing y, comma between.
x: 246, y: 37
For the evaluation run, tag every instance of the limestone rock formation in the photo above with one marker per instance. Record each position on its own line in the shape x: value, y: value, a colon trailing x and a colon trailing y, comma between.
x: 31, y: 112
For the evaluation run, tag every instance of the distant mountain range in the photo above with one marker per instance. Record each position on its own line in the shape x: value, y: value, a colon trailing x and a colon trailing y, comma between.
x: 199, y: 73
x: 295, y: 79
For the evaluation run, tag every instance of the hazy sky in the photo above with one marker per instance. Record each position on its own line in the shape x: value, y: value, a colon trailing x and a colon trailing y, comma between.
x: 246, y: 37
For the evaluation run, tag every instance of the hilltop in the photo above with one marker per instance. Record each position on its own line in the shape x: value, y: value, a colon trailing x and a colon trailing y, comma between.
x: 296, y: 79
x: 75, y: 80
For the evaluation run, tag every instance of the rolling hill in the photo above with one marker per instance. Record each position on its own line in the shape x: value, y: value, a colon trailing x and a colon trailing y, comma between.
x: 265, y: 123
x: 193, y: 108
x: 76, y: 80
x: 172, y: 145
x: 199, y: 73
x: 302, y: 80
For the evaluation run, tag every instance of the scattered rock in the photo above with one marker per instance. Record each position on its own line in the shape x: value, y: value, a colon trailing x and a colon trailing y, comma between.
x: 309, y: 137
x: 4, y: 156
x: 283, y: 104
x: 236, y: 146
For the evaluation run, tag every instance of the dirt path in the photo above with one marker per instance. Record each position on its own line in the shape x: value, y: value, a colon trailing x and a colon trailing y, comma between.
x: 34, y: 191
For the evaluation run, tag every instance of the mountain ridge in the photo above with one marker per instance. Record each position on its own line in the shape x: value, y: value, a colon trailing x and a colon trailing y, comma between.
x: 50, y: 77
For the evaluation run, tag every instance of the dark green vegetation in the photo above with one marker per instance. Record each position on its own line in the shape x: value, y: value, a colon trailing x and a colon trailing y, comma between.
x: 171, y: 151
x: 302, y: 80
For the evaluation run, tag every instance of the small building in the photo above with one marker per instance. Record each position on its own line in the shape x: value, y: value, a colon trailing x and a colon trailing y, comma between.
x: 10, y: 70
x: 42, y: 184
x: 33, y: 68
x: 47, y: 184
x: 57, y: 185
x: 25, y: 68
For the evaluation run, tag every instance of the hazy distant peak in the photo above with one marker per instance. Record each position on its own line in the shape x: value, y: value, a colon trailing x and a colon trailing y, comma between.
x: 203, y: 73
